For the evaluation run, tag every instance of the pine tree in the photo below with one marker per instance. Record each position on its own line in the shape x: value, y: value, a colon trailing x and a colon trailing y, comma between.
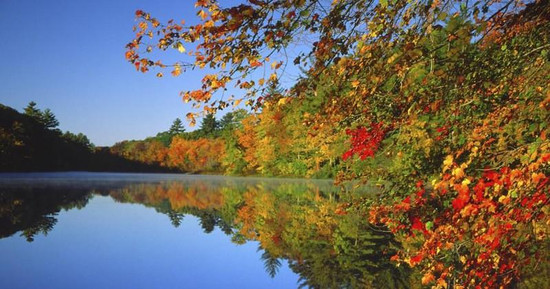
x: 176, y: 128
x: 48, y: 119
x: 209, y: 126
x: 32, y: 111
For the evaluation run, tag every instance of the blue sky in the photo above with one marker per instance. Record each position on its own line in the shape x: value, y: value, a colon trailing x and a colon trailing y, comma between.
x: 68, y: 55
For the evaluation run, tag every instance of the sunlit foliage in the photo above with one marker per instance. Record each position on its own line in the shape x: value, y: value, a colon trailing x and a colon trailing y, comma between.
x: 446, y: 105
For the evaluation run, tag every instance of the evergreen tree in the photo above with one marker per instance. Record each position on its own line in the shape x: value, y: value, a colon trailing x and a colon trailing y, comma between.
x: 232, y: 120
x: 176, y: 128
x: 227, y: 121
x: 32, y: 111
x: 209, y: 126
x: 48, y: 119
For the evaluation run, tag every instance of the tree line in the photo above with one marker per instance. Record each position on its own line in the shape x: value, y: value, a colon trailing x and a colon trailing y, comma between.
x: 32, y: 141
x: 270, y: 142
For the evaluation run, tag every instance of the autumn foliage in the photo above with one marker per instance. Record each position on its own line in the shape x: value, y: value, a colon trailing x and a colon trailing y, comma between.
x: 365, y: 142
x: 196, y: 155
x: 445, y: 105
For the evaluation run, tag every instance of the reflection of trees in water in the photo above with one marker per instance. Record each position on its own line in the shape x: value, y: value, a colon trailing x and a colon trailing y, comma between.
x: 296, y: 222
x: 328, y: 244
x: 34, y: 210
x: 177, y: 199
x: 359, y: 262
x: 271, y: 263
x: 209, y: 219
x: 43, y: 224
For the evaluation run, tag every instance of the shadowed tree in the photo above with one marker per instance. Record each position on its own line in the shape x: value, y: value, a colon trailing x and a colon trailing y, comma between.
x: 209, y: 126
x: 32, y: 111
x: 49, y: 120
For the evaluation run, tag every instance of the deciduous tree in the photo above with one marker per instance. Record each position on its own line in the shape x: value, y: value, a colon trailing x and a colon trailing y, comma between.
x: 445, y: 103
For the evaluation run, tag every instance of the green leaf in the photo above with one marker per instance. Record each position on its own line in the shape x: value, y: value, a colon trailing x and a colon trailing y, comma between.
x: 429, y: 225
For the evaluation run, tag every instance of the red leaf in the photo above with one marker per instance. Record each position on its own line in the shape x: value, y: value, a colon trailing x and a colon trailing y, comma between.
x: 416, y: 259
x: 459, y: 203
x: 365, y: 142
x: 418, y: 225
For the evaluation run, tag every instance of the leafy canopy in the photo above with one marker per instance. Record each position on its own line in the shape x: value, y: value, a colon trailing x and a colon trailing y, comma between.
x: 446, y: 104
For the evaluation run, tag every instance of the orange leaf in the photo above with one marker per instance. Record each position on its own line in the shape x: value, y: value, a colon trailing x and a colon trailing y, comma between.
x: 427, y: 278
x: 255, y: 64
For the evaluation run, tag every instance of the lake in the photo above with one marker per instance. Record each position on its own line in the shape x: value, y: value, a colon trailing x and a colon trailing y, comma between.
x: 105, y: 230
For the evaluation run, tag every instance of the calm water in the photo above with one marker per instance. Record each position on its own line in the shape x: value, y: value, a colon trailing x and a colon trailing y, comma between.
x: 100, y: 230
x: 87, y: 230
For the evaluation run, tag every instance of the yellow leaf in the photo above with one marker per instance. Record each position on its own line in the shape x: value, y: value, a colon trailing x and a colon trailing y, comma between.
x: 447, y: 162
x: 202, y: 14
x: 393, y: 58
x: 237, y: 102
x: 208, y: 109
x: 282, y: 101
x: 458, y: 173
x: 275, y: 65
x: 191, y: 119
x: 248, y: 12
x: 442, y: 283
x: 533, y: 156
x: 215, y: 84
x: 142, y: 25
x: 504, y: 200
x: 181, y: 49
x: 176, y: 71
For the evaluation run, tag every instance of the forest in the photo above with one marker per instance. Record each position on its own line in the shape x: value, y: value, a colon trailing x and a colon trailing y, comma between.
x: 239, y: 143
x: 32, y: 142
x: 242, y: 143
x: 443, y: 104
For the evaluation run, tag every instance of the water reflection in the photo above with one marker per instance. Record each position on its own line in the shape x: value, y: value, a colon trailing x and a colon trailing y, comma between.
x: 33, y: 210
x: 304, y: 223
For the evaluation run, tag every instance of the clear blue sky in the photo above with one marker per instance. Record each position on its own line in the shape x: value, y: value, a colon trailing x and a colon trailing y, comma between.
x: 68, y: 55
